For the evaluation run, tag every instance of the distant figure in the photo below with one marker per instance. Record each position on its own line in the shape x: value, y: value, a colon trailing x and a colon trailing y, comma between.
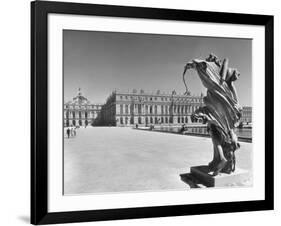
x: 68, y: 132
x: 71, y: 131
x: 137, y: 126
x: 74, y: 131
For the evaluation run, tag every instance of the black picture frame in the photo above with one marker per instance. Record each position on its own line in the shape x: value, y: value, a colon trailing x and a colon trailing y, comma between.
x: 39, y: 112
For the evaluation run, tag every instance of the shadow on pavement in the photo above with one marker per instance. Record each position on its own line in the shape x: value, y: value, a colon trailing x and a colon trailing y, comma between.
x: 24, y: 219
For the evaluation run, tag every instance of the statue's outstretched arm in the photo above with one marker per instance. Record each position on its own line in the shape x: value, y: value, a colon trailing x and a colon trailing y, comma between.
x: 189, y: 65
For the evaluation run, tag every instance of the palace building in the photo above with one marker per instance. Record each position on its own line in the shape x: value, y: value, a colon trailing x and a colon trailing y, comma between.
x: 142, y: 108
x: 136, y: 107
x: 80, y: 111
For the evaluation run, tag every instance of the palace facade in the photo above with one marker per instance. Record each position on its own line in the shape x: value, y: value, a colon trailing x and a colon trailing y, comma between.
x: 143, y: 108
x: 137, y: 107
x: 80, y: 111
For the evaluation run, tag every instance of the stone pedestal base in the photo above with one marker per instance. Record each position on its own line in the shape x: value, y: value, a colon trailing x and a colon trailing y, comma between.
x: 203, y: 174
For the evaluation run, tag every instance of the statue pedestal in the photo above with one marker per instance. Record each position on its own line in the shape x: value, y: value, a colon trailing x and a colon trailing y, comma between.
x: 236, y: 178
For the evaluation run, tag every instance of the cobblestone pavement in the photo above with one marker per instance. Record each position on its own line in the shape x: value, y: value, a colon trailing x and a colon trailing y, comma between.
x: 114, y: 159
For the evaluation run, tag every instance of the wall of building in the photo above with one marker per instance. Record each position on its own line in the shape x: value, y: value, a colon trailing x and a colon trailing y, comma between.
x: 80, y: 112
x: 81, y: 115
x: 130, y: 108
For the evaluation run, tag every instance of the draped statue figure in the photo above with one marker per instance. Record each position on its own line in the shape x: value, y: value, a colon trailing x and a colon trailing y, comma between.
x: 221, y: 110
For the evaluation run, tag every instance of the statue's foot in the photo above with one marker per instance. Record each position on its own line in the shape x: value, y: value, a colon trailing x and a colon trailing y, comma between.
x: 219, y: 167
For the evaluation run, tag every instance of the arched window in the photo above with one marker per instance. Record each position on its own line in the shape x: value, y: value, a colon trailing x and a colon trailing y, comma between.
x: 73, y: 122
x: 179, y: 119
x: 150, y: 110
x: 121, y: 109
x: 162, y: 119
x: 139, y: 120
x: 156, y: 120
x: 155, y: 109
x: 139, y: 108
x: 121, y: 121
x: 186, y: 120
x: 73, y: 114
x: 151, y: 120
x: 162, y: 109
x: 166, y: 119
x: 86, y: 115
x: 126, y: 109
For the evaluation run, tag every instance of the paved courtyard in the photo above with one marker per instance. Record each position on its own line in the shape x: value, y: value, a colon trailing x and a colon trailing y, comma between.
x: 114, y: 159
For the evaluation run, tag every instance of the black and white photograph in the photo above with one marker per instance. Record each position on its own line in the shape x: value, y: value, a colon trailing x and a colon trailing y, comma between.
x: 155, y: 112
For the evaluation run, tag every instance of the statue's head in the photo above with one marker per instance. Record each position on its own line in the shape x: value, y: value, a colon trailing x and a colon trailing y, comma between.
x: 235, y: 75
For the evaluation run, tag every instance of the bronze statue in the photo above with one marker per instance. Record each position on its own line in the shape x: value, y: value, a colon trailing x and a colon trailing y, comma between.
x: 221, y: 111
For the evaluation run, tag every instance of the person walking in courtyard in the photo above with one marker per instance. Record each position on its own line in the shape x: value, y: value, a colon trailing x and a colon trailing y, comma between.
x: 74, y: 131
x: 68, y: 132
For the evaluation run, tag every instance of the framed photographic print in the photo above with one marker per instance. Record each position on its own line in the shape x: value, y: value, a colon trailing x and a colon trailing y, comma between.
x: 145, y: 112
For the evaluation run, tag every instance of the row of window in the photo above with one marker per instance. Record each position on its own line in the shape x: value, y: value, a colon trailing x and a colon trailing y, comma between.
x: 80, y: 115
x: 194, y: 100
x: 124, y: 109
x: 83, y: 107
x: 76, y: 123
x: 152, y: 120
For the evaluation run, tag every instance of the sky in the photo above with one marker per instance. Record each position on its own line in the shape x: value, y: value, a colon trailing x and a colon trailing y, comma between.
x: 101, y: 62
